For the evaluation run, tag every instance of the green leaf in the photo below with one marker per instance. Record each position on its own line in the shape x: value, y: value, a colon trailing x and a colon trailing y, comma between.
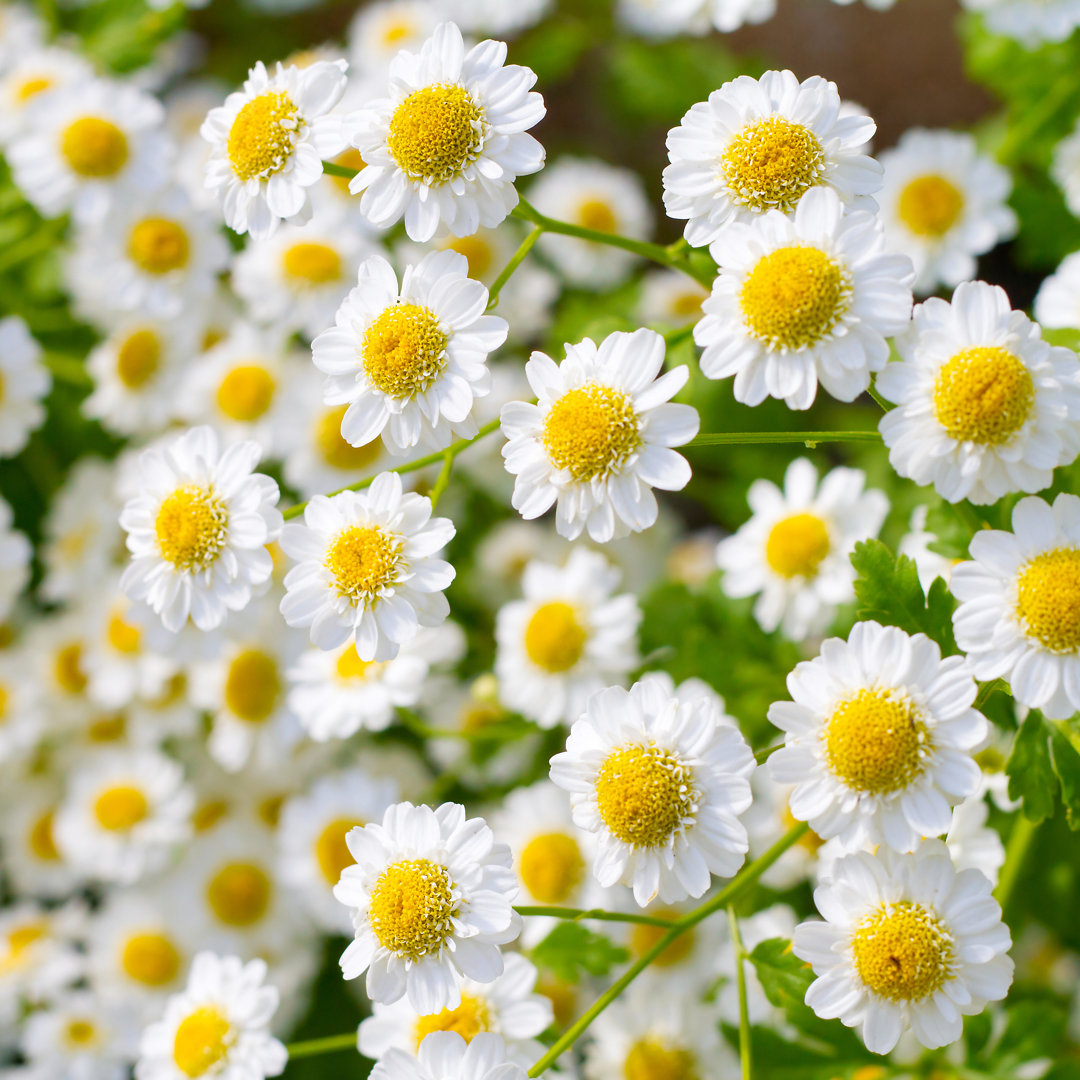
x: 571, y: 949
x: 1066, y: 762
x: 783, y: 976
x: 1030, y: 769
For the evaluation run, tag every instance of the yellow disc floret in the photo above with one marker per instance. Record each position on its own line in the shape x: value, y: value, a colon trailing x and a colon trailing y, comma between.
x: 364, y: 560
x: 983, y: 395
x: 436, y: 132
x: 652, y: 1059
x: 253, y: 686
x: 335, y: 450
x: 94, y: 148
x: 246, y: 393
x: 331, y: 852
x: 772, y: 163
x: 591, y: 431
x: 478, y: 252
x: 239, y: 894
x: 412, y: 908
x: 42, y: 840
x: 349, y: 666
x: 551, y: 867
x: 555, y: 637
x: 138, y: 358
x: 80, y: 1033
x: 596, y: 214
x: 159, y: 245
x: 644, y: 936
x: 201, y: 1042
x: 930, y: 205
x: 191, y: 528
x: 1048, y: 600
x: 467, y: 1020
x: 263, y: 135
x: 404, y: 350
x: 31, y: 87
x: 120, y: 808
x: 797, y: 545
x: 70, y: 674
x: 311, y: 264
x: 902, y: 952
x: 150, y: 958
x: 644, y: 794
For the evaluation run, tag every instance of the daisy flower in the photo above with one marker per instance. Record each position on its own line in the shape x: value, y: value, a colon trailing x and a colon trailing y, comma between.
x: 379, y: 31
x: 908, y: 943
x: 1057, y: 303
x: 24, y: 383
x: 671, y: 297
x: 984, y: 406
x: 15, y: 554
x: 599, y: 438
x: 23, y: 721
x: 494, y: 16
x: 32, y: 862
x: 409, y: 361
x: 447, y: 1056
x: 879, y: 738
x: 803, y: 299
x: 1065, y: 163
x: 566, y: 639
x: 79, y: 1036
x: 366, y: 568
x: 431, y: 896
x: 219, y: 1025
x: 665, y: 18
x: 444, y: 148
x: 794, y: 551
x: 1019, y: 612
x: 38, y: 955
x: 761, y: 144
x: 942, y: 204
x: 198, y: 529
x: 661, y: 784
x: 28, y: 81
x: 1030, y: 22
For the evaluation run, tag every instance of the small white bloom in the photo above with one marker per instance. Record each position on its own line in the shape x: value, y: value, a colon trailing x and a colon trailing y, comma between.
x: 671, y: 297
x: 32, y: 862
x: 38, y: 955
x: 1057, y: 303
x: 81, y: 1037
x: 27, y: 82
x: 24, y: 383
x: 494, y: 16
x: 665, y: 18
x: 446, y: 1056
x: 1065, y: 165
x: 15, y: 555
x: 1030, y: 22
x: 23, y: 722
x: 379, y: 31
x: 915, y: 544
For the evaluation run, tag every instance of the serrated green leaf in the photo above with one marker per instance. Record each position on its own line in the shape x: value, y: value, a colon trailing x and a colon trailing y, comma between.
x: 1066, y: 761
x: 571, y: 949
x: 1030, y: 769
x: 783, y: 976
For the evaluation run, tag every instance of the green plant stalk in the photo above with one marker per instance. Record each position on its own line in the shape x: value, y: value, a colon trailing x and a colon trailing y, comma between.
x: 331, y: 169
x: 570, y: 914
x: 442, y: 481
x: 328, y: 1045
x: 1023, y: 832
x: 745, y: 1053
x: 811, y: 438
x: 515, y: 261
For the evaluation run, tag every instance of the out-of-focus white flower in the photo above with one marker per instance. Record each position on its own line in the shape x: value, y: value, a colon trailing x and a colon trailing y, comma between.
x: 24, y: 383
x: 15, y: 554
x: 1057, y: 303
x: 1031, y: 22
x: 79, y: 1036
x: 29, y: 79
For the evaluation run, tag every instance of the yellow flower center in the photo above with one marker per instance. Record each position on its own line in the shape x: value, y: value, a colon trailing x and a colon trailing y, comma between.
x: 687, y: 305
x: 208, y: 814
x: 794, y: 297
x: 239, y: 894
x: 151, y: 959
x: 31, y: 87
x: 331, y: 852
x: 202, y: 1041
x: 902, y: 952
x: 120, y: 808
x: 412, y: 908
x: 108, y: 728
x: 404, y: 350
x: 348, y: 159
x: 597, y: 214
x: 983, y: 395
x: 269, y: 809
x: 123, y: 636
x: 19, y: 942
x: 364, y: 560
x: 312, y: 264
x: 643, y: 937
x: 1048, y: 600
x: 478, y: 252
x: 4, y: 696
x: 555, y: 637
x: 652, y: 1059
x: 191, y: 528
x: 94, y: 148
x: 644, y: 794
x: 138, y: 358
x: 80, y: 1033
x: 876, y: 742
x: 333, y: 448
x: 772, y: 163
x: 552, y: 867
x: 394, y: 31
x: 159, y: 245
x: 246, y: 393
x: 467, y: 1020
x: 591, y: 431
x: 252, y: 686
x: 930, y: 205
x: 41, y: 841
x: 797, y: 545
x: 436, y: 132
x: 263, y: 135
x: 349, y: 666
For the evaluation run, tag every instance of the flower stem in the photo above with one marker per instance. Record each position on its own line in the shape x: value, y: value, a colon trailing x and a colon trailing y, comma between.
x: 443, y: 479
x: 577, y: 914
x: 810, y: 438
x: 327, y: 1045
x: 331, y: 169
x: 745, y: 1053
x: 515, y: 261
x: 1023, y: 831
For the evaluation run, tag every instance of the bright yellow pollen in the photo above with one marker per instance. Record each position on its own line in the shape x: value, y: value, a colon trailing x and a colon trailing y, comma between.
x: 797, y: 545
x: 202, y: 1040
x: 930, y: 205
x: 108, y: 728
x: 478, y: 253
x: 687, y: 305
x: 596, y: 214
x: 404, y: 350
x: 652, y: 1059
x: 555, y: 637
x: 120, y: 808
x: 349, y: 665
x: 772, y: 163
x: 94, y: 148
x: 80, y: 1033
x: 252, y: 686
x: 412, y: 907
x: 123, y: 636
x: 983, y: 395
x: 239, y: 894
x: 364, y: 560
x: 41, y: 841
x: 794, y: 297
x: 4, y: 695
x: 30, y: 88
x: 643, y: 794
x: 150, y: 959
x: 159, y: 245
x: 551, y: 867
x: 312, y: 264
x: 20, y: 941
x: 902, y: 952
x: 331, y: 852
x: 246, y: 393
x: 263, y: 135
x: 436, y: 132
x: 1048, y: 600
x: 875, y: 742
x: 191, y: 528
x: 396, y: 30
x: 591, y: 431
x: 335, y: 451
x: 138, y: 358
x: 469, y: 1019
x: 348, y: 159
x: 208, y: 814
x: 643, y: 937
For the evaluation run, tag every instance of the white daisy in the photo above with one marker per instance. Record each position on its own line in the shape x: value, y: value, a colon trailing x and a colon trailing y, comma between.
x: 728, y: 15
x: 599, y: 438
x: 1057, y: 303
x: 445, y: 147
x: 664, y: 18
x: 446, y: 1056
x: 671, y: 297
x: 268, y: 142
x: 942, y: 204
x: 431, y: 903
x: 984, y: 406
x: 661, y: 783
x: 879, y: 738
x: 1065, y: 164
x: 761, y: 144
x: 32, y: 862
x: 566, y: 639
x: 38, y: 955
x: 803, y: 299
x: 908, y: 943
x: 366, y: 568
x: 795, y: 549
x: 15, y: 555
x: 23, y: 722
x: 494, y: 16
x: 915, y: 544
x: 379, y: 31
x: 409, y: 361
x: 28, y: 81
x: 198, y: 530
x: 1031, y: 22
x: 972, y: 843
x: 81, y: 1037
x: 24, y: 384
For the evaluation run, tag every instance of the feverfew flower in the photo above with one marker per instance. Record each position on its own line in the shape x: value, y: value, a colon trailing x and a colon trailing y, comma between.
x: 665, y: 18
x: 380, y: 30
x: 599, y: 438
x: 78, y: 1036
x: 446, y: 1056
x: 761, y: 144
x: 661, y: 783
x: 268, y: 142
x: 24, y: 382
x: 803, y: 299
x: 878, y: 738
x: 1066, y: 160
x: 1057, y: 303
x: 1031, y: 22
x: 15, y: 553
x: 1019, y: 612
x: 198, y: 529
x: 444, y: 148
x: 431, y: 896
x: 494, y: 16
x: 907, y: 943
x: 29, y: 80
x: 410, y: 361
x: 984, y: 405
x: 366, y: 568
x: 795, y: 549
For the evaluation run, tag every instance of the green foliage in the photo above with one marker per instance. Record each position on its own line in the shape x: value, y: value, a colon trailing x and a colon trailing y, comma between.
x: 1045, y: 759
x: 572, y: 950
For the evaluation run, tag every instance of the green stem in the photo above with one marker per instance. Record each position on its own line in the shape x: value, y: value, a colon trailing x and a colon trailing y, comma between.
x: 766, y: 752
x: 442, y: 481
x: 677, y: 337
x: 810, y: 438
x: 515, y: 261
x: 35, y: 244
x: 873, y: 392
x: 327, y: 1045
x: 68, y: 369
x: 599, y: 914
x: 331, y: 169
x: 1023, y: 831
x: 986, y: 690
x: 744, y: 1007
